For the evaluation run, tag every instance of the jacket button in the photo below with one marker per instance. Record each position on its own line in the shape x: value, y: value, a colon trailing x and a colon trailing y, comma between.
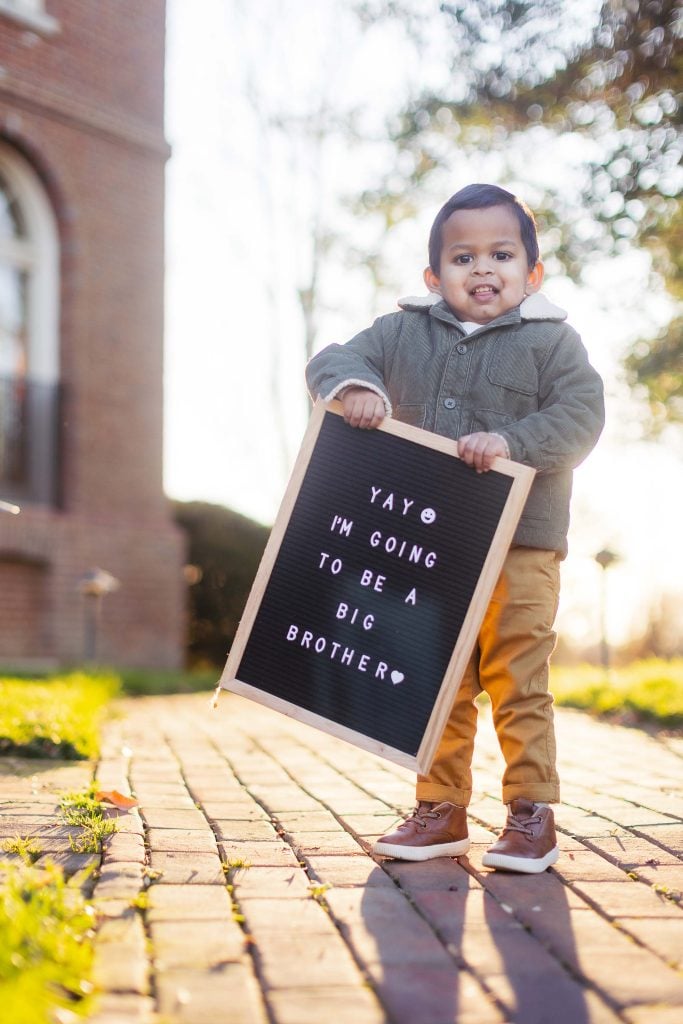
x: 461, y: 349
x: 449, y: 403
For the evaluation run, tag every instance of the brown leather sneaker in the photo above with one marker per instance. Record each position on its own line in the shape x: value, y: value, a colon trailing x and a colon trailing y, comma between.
x: 527, y: 843
x: 432, y: 830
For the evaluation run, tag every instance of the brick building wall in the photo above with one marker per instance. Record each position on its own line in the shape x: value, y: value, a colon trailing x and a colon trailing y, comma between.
x: 82, y: 103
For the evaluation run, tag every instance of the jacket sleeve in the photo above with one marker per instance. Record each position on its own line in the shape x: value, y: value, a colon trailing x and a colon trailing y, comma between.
x: 363, y: 361
x: 571, y: 411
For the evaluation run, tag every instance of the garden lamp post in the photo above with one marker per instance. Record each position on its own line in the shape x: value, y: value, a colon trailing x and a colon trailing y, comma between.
x: 604, y: 558
x: 94, y: 585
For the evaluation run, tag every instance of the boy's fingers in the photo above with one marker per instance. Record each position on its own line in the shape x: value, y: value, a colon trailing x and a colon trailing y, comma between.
x: 466, y: 448
x: 479, y: 455
x: 364, y: 411
x: 479, y: 450
x: 373, y: 414
x: 377, y: 413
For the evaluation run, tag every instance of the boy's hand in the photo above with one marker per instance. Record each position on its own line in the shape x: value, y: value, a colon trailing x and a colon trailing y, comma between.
x: 362, y: 408
x: 480, y: 449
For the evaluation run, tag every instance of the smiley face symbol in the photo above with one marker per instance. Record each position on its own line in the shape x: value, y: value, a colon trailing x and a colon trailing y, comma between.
x: 428, y: 515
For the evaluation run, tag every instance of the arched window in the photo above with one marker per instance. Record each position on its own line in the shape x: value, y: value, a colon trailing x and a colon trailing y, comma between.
x: 29, y: 346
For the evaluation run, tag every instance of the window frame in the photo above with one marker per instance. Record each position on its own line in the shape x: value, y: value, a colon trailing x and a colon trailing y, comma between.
x: 38, y: 257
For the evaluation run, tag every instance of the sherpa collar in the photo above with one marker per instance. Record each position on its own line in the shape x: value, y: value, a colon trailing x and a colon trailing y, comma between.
x: 534, y: 307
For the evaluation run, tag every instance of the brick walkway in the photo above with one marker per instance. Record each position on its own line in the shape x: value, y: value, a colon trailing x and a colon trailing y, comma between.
x: 261, y: 904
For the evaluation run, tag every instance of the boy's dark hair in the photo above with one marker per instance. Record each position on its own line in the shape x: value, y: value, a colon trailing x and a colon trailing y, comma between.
x: 478, y: 197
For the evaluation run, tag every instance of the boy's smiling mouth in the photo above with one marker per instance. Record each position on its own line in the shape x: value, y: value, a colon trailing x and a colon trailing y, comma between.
x: 484, y: 289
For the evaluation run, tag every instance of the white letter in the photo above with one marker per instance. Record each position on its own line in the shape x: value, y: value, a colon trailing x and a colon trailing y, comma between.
x: 364, y: 659
x: 323, y: 558
x: 389, y: 503
x: 406, y: 505
x: 375, y: 538
x: 366, y: 578
x: 430, y: 559
x: 411, y: 598
x: 375, y: 492
x: 345, y: 526
x: 379, y: 583
x: 320, y: 644
x: 342, y: 610
x: 306, y: 638
x: 336, y: 567
x: 347, y: 656
x: 380, y: 670
x: 292, y: 632
x: 368, y: 621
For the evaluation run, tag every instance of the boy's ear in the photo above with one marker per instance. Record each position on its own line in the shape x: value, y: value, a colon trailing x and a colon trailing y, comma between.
x: 535, y: 279
x: 432, y: 281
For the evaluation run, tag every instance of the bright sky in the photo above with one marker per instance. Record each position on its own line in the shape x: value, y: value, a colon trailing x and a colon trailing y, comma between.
x: 238, y: 245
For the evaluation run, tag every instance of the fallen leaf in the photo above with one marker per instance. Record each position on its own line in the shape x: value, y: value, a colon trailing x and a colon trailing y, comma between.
x: 112, y: 796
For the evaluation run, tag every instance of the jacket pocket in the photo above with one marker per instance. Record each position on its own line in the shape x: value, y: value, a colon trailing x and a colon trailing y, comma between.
x: 513, y: 367
x: 415, y: 415
x: 488, y: 420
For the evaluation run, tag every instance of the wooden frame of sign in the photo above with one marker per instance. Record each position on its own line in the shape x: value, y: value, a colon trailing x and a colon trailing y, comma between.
x: 374, y: 583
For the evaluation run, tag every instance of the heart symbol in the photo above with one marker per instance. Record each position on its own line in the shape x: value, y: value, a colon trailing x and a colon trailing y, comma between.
x: 397, y: 677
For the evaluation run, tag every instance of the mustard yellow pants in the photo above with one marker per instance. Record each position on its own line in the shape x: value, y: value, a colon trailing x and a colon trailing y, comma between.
x: 509, y: 663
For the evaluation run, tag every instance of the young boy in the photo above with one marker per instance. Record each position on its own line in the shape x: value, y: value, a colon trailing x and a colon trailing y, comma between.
x: 487, y: 360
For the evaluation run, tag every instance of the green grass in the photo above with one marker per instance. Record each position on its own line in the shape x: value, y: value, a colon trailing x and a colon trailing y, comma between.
x: 645, y: 691
x: 46, y: 946
x: 26, y: 847
x: 58, y: 718
x: 59, y: 715
x: 134, y: 682
x: 82, y: 809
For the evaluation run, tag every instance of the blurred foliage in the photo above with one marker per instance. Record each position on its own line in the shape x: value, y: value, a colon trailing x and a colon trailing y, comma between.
x: 225, y: 550
x: 644, y: 691
x: 152, y: 682
x: 46, y: 946
x: 56, y: 718
x: 526, y: 70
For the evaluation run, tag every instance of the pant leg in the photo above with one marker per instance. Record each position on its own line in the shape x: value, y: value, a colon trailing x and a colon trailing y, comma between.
x: 450, y: 776
x: 516, y: 641
x: 510, y: 662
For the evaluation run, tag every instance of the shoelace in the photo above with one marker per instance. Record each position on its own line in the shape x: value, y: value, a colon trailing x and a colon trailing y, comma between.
x: 421, y: 816
x: 514, y: 824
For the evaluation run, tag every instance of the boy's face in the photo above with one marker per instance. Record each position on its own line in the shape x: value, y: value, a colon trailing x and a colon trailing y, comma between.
x: 484, y: 270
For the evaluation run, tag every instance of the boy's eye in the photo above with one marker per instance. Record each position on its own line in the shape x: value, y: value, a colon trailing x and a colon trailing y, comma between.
x: 463, y: 258
x: 502, y: 256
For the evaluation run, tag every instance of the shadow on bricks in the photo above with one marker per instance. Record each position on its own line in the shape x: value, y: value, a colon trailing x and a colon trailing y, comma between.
x: 430, y: 942
x: 536, y: 991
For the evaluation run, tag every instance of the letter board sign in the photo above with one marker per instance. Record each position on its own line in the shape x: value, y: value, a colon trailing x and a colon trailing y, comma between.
x: 374, y: 583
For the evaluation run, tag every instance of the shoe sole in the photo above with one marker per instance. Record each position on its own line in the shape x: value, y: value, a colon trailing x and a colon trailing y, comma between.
x: 526, y: 865
x: 422, y: 852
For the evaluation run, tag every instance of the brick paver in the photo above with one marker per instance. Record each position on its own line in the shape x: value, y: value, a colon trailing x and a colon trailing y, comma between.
x: 241, y: 890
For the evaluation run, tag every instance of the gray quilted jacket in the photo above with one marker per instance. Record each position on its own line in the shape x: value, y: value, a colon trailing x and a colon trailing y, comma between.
x: 525, y: 376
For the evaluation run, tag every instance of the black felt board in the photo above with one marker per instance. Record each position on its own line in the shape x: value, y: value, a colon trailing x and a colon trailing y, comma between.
x: 415, y: 577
